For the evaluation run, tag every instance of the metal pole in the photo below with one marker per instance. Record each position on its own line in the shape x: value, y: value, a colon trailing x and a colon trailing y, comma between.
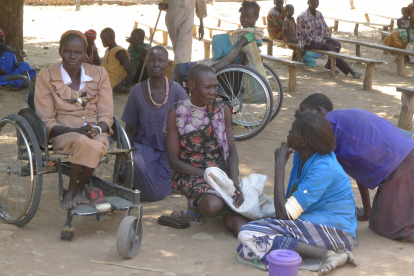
x: 149, y: 47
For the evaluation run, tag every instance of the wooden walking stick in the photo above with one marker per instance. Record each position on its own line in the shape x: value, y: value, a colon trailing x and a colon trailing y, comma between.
x: 149, y: 47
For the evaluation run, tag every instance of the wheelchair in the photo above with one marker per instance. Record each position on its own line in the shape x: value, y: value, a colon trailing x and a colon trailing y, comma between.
x: 254, y: 97
x: 26, y: 155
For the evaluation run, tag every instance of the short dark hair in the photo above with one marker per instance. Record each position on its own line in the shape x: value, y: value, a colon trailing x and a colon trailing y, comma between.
x: 250, y: 5
x: 317, y: 131
x: 109, y: 31
x: 198, y: 69
x: 138, y: 31
x: 68, y: 38
x: 160, y: 48
x: 318, y: 99
x: 406, y: 9
x: 289, y: 6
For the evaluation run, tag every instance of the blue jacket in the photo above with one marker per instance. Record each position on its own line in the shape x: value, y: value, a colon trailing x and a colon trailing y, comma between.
x: 324, y: 192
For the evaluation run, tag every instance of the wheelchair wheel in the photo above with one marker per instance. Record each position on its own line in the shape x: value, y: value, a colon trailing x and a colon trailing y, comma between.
x: 277, y: 89
x: 117, y: 168
x: 250, y: 96
x: 129, y: 237
x: 20, y: 165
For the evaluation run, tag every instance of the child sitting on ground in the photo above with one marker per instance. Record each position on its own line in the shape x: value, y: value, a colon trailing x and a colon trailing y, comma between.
x: 289, y: 26
x: 405, y: 26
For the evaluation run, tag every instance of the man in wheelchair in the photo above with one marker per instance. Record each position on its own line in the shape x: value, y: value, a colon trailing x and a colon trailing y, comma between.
x: 74, y: 101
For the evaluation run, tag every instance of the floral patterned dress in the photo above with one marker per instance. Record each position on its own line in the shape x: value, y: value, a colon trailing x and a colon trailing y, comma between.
x: 203, y: 144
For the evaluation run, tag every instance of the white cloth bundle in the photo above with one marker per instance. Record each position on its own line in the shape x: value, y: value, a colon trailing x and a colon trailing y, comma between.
x: 234, y: 37
x: 256, y: 205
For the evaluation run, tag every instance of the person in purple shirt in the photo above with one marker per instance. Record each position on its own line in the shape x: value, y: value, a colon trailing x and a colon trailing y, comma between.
x: 377, y: 155
x: 313, y: 33
x: 144, y: 115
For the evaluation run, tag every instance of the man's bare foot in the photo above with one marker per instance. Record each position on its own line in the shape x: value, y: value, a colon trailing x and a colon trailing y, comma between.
x: 68, y: 202
x: 336, y: 259
x: 79, y: 198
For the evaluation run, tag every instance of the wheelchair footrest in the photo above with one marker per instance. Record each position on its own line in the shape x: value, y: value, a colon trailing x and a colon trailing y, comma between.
x: 66, y: 236
x: 118, y: 203
x: 84, y: 210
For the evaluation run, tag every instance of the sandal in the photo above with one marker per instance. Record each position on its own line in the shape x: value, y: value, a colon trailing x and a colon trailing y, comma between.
x: 189, y: 217
x: 256, y: 264
x: 174, y: 222
x: 98, y: 201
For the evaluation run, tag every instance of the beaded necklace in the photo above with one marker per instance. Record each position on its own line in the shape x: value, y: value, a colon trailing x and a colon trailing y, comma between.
x: 166, y: 93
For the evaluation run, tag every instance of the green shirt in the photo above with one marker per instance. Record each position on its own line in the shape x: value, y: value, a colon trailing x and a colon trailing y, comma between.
x: 132, y: 53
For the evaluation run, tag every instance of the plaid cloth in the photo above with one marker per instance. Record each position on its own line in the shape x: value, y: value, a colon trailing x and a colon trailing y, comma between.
x: 259, y: 238
x: 311, y: 29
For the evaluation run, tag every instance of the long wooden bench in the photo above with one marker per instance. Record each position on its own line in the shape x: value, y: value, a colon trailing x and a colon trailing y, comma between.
x: 392, y: 22
x: 270, y: 43
x: 264, y: 19
x: 407, y: 108
x: 357, y: 23
x: 220, y: 19
x: 151, y: 30
x: 369, y: 72
x: 292, y: 67
x: 400, y: 52
x: 211, y: 29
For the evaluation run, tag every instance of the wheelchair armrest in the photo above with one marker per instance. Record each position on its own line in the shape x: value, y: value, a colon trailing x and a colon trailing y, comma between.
x: 38, y: 126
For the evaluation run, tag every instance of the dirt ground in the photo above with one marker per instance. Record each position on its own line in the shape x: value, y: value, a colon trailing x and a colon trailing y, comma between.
x: 35, y: 249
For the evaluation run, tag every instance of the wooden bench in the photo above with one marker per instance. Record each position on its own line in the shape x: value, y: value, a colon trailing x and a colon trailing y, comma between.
x: 357, y: 23
x: 384, y: 35
x: 264, y: 19
x: 400, y: 52
x: 278, y: 41
x: 292, y: 67
x: 369, y: 72
x: 151, y: 30
x: 220, y: 19
x: 407, y: 109
x: 392, y: 22
x: 211, y: 29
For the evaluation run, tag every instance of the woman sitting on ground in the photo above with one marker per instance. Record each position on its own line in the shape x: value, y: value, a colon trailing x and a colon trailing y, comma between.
x: 144, y: 115
x: 74, y: 101
x: 317, y: 217
x: 199, y: 135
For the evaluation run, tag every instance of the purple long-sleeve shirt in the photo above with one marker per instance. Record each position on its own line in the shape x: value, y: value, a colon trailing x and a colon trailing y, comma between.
x: 368, y: 147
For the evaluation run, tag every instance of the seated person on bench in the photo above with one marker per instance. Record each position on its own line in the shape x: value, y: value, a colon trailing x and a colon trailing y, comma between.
x: 137, y: 51
x: 74, y: 101
x: 275, y: 19
x: 91, y: 55
x: 313, y: 33
x: 10, y: 66
x: 249, y: 13
x: 316, y: 217
x: 144, y: 118
x: 200, y: 135
x: 403, y: 35
x: 377, y: 155
x: 116, y: 62
x: 289, y: 29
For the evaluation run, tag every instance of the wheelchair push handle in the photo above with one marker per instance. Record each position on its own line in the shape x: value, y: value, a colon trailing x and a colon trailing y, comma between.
x: 19, y: 77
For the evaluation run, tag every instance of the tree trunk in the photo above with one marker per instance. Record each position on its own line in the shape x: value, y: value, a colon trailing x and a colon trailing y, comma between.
x: 78, y: 5
x: 11, y: 22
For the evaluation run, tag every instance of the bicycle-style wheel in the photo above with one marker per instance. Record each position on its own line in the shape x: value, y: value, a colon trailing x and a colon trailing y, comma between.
x: 20, y: 165
x: 250, y: 96
x: 277, y: 89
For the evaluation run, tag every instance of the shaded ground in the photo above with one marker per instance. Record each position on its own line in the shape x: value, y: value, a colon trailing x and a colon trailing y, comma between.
x: 200, y: 250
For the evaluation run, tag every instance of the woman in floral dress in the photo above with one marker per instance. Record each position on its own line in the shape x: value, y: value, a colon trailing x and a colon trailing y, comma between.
x: 199, y: 135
